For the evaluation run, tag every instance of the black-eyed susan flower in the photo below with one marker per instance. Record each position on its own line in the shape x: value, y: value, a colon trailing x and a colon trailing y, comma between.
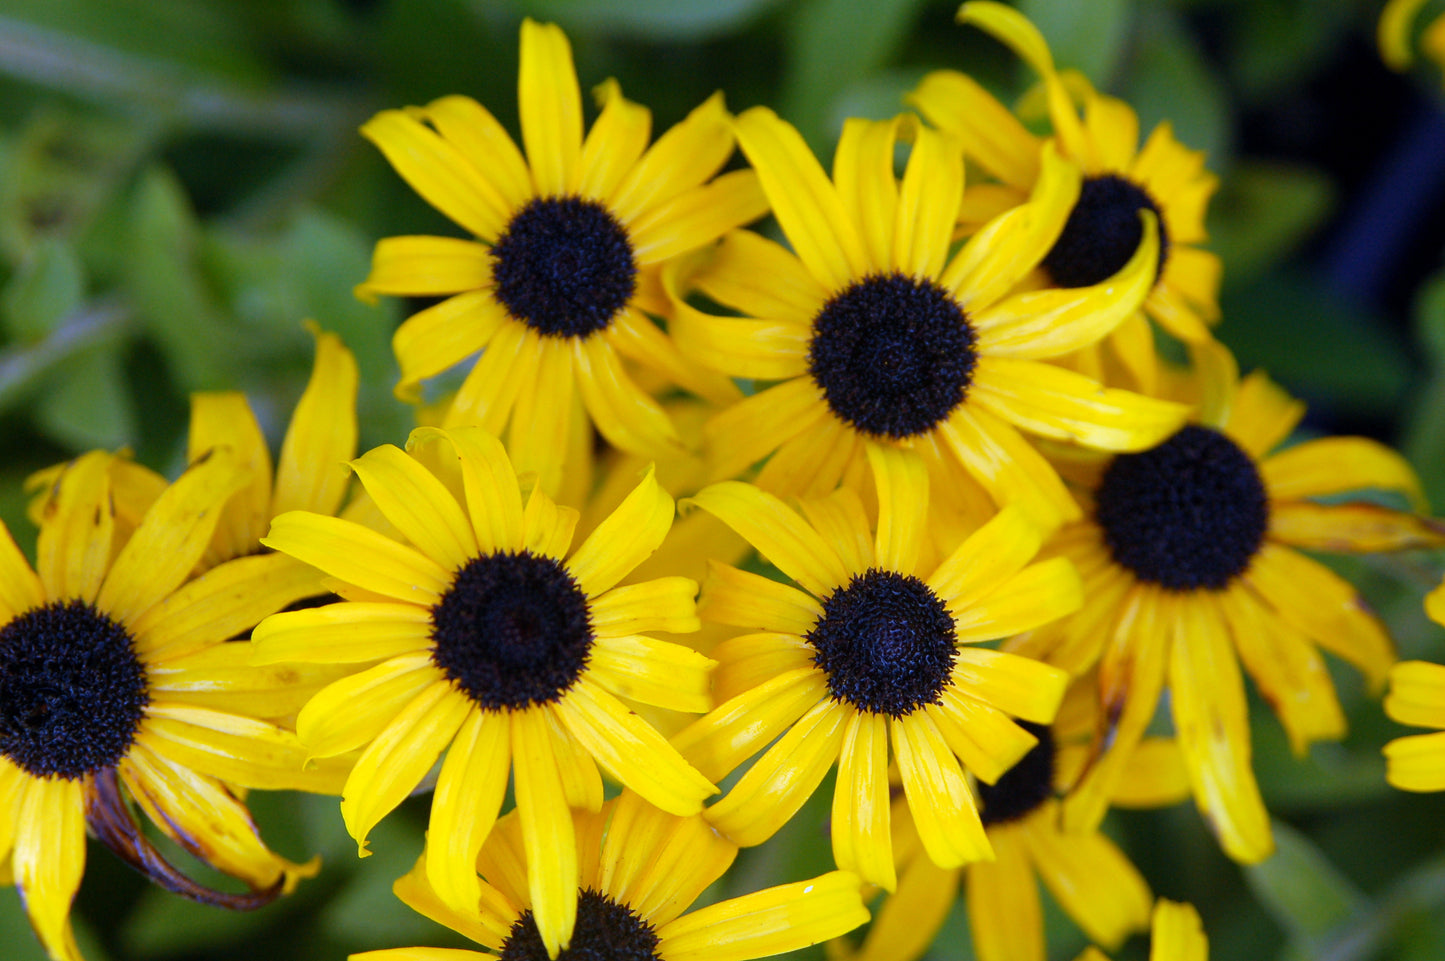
x: 489, y: 640
x: 1190, y: 568
x: 640, y: 870
x: 1175, y: 934
x: 1397, y: 21
x: 1417, y: 698
x: 111, y: 696
x: 1120, y: 178
x: 1087, y: 874
x: 557, y: 287
x: 877, y: 333
x: 872, y: 653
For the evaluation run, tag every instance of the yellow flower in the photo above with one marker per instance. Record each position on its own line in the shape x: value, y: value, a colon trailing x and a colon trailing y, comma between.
x: 1176, y: 934
x: 1394, y: 35
x: 877, y: 333
x: 479, y: 631
x: 867, y: 653
x: 640, y: 869
x: 117, y: 685
x: 1189, y: 566
x: 556, y: 289
x: 1120, y: 178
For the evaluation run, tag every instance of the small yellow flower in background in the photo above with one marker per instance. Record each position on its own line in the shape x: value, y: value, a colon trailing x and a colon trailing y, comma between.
x: 640, y: 870
x: 1396, y: 23
x: 111, y: 693
x: 1417, y: 698
x: 487, y: 639
x: 877, y: 333
x: 870, y: 653
x: 1175, y: 934
x: 557, y: 288
x: 1120, y: 179
x: 1190, y: 566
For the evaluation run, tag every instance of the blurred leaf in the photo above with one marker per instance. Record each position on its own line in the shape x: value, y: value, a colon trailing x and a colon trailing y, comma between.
x: 1424, y: 434
x: 1430, y: 317
x: 1278, y: 44
x: 1168, y: 79
x: 1263, y: 212
x: 63, y: 165
x: 85, y: 403
x: 170, y: 295
x: 49, y: 285
x: 1304, y: 892
x: 365, y: 910
x: 22, y: 368
x: 1295, y: 327
x: 1084, y: 36
x: 15, y: 932
x: 833, y: 44
x: 650, y: 19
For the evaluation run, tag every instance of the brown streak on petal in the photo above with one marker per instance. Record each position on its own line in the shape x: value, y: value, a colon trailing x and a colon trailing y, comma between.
x: 111, y: 820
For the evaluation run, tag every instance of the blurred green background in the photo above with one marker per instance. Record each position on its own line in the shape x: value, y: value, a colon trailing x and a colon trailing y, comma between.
x: 181, y: 183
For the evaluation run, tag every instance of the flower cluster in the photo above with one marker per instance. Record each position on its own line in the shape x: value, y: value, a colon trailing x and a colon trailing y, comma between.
x: 977, y: 516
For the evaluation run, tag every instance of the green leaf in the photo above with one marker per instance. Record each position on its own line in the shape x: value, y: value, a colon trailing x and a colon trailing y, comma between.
x: 1170, y: 80
x: 1263, y: 212
x: 823, y: 37
x: 1290, y: 324
x: 649, y: 19
x: 170, y: 295
x: 1303, y: 891
x: 1085, y: 36
x: 85, y: 404
x: 49, y: 285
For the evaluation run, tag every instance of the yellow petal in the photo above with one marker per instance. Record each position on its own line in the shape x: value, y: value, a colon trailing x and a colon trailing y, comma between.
x: 718, y: 743
x: 927, y: 205
x: 1036, y: 595
x: 549, y: 528
x: 1058, y: 403
x: 240, y: 750
x: 842, y: 521
x: 417, y: 504
x: 616, y: 141
x: 469, y: 127
x: 439, y: 172
x: 1417, y: 694
x: 1360, y: 528
x: 907, y: 923
x: 49, y: 859
x: 1093, y: 881
x: 663, y: 604
x: 311, y: 473
x: 441, y: 336
x: 1393, y: 32
x: 683, y: 157
x: 542, y: 418
x: 778, y: 533
x: 550, y: 106
x: 761, y: 278
x: 1262, y: 415
x: 861, y: 839
x: 1007, y: 466
x: 863, y: 173
x: 631, y: 750
x: 1004, y: 913
x: 166, y: 546
x: 1417, y: 762
x: 804, y: 201
x: 394, y: 763
x: 787, y: 774
x: 360, y: 556
x: 983, y: 737
x: 902, y: 483
x: 468, y: 796
x: 1212, y: 722
x: 348, y: 633
x: 494, y: 500
x: 487, y: 922
x: 753, y: 428
x: 1020, y: 686
x: 77, y: 522
x: 772, y: 921
x: 505, y: 369
x: 634, y: 335
x: 990, y: 556
x: 224, y: 419
x: 683, y: 857
x: 423, y: 266
x: 750, y: 600
x: 995, y: 138
x: 938, y: 796
x: 20, y: 588
x: 1176, y: 933
x: 351, y: 712
x: 625, y: 539
x: 698, y: 217
x: 1335, y: 465
x: 1324, y: 606
x: 622, y: 412
x: 768, y: 349
x: 222, y: 677
x: 547, y: 832
x: 653, y: 672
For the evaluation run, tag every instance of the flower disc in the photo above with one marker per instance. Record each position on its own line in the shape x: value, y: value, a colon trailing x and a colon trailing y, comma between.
x: 1023, y: 787
x: 1102, y: 232
x: 605, y: 931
